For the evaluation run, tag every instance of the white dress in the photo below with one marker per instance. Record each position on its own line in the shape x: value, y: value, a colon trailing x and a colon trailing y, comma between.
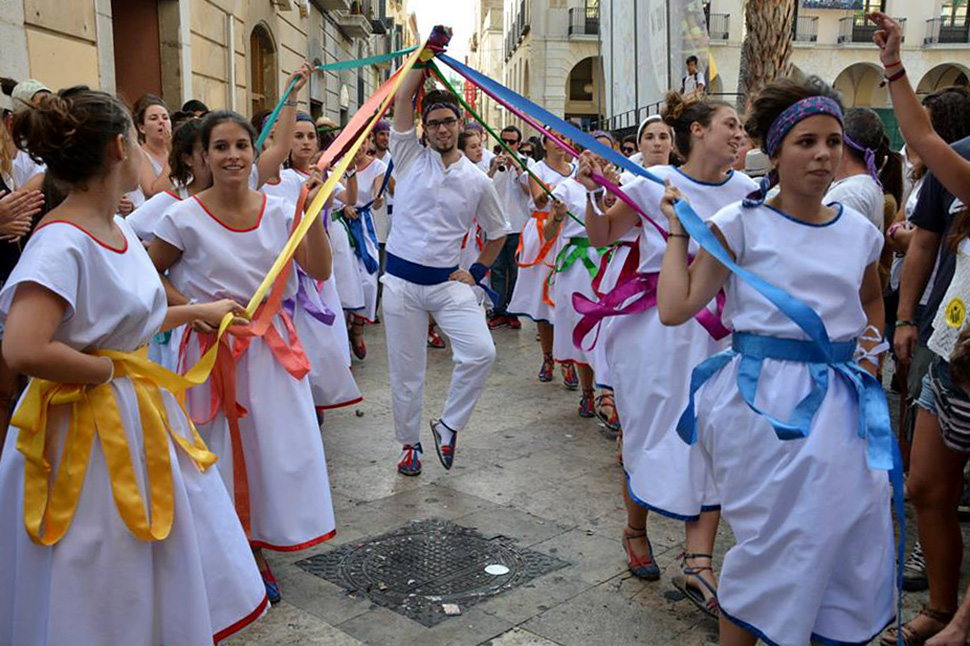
x: 812, y: 520
x: 366, y: 177
x: 577, y: 278
x: 99, y: 584
x: 527, y: 297
x: 650, y: 365
x: 289, y: 491
x: 326, y: 346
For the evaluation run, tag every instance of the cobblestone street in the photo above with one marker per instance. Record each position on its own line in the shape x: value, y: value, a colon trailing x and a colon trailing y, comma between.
x: 529, y: 469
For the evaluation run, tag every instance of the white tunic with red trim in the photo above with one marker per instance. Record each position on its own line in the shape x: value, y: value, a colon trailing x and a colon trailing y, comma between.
x: 99, y: 584
x: 331, y: 380
x: 289, y: 491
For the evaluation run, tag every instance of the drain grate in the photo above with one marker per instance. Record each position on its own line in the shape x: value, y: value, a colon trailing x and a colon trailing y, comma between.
x: 417, y: 569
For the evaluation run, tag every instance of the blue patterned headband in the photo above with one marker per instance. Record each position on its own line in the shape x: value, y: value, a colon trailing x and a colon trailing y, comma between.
x: 787, y: 120
x: 795, y: 113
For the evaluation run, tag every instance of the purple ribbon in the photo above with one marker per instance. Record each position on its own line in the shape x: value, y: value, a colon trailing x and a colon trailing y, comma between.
x: 321, y: 313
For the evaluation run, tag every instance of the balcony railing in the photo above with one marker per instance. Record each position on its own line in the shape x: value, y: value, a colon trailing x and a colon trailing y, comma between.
x: 946, y: 30
x: 584, y: 21
x: 518, y: 29
x: 719, y: 26
x: 806, y: 29
x: 856, y: 29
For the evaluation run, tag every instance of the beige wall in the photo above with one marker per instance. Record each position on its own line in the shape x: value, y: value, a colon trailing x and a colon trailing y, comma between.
x: 61, y: 38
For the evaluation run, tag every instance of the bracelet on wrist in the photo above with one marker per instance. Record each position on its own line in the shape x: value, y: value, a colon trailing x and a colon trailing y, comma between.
x: 890, y: 65
x: 894, y: 77
x: 290, y: 103
x: 905, y: 323
x: 678, y: 235
x: 111, y: 375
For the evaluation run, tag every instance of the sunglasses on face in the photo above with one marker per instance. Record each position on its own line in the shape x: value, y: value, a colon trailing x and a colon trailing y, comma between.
x: 510, y: 142
x: 628, y: 150
x: 435, y: 124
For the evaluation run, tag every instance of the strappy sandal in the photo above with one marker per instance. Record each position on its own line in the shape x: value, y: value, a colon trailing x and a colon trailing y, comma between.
x: 642, y: 567
x: 910, y: 636
x: 694, y: 593
x: 611, y: 422
x: 545, y: 372
x: 357, y: 339
x: 570, y: 378
x: 586, y: 407
x: 434, y: 339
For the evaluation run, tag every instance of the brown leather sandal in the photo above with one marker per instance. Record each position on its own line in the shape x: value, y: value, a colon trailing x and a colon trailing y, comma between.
x: 910, y: 636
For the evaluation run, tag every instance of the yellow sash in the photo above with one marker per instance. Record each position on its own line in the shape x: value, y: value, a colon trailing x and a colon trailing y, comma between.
x: 95, y: 412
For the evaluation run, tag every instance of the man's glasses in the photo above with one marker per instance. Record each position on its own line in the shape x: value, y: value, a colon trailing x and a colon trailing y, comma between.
x: 435, y: 124
x: 628, y: 150
x: 509, y: 142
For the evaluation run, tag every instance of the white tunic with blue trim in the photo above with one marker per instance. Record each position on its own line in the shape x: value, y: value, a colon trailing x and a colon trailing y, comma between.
x: 812, y: 519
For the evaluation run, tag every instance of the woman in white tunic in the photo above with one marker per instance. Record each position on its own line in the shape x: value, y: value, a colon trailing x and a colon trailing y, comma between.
x: 650, y: 363
x: 97, y: 571
x: 656, y: 145
x: 811, y: 563
x: 535, y: 258
x: 316, y: 310
x: 155, y: 134
x: 576, y: 264
x: 360, y: 224
x: 189, y: 175
x: 256, y: 411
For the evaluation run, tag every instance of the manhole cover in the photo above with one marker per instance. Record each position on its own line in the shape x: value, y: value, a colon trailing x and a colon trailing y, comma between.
x: 417, y: 569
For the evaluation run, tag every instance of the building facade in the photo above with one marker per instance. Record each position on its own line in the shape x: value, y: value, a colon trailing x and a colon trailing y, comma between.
x: 551, y: 54
x: 830, y: 41
x: 486, y: 54
x: 232, y: 54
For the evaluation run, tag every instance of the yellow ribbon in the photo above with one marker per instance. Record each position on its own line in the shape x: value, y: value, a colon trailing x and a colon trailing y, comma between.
x: 94, y: 411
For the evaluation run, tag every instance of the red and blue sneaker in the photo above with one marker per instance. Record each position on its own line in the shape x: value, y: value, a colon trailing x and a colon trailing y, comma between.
x: 445, y: 441
x: 410, y: 464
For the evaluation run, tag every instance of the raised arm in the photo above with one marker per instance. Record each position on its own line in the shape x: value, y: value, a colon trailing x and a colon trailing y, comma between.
x: 950, y: 168
x: 683, y: 290
x: 403, y: 106
x: 272, y: 157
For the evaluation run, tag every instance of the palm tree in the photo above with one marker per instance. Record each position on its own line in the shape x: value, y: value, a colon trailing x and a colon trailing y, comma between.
x: 767, y: 45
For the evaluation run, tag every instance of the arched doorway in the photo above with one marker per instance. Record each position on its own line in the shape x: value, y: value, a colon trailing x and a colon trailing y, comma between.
x: 859, y: 86
x: 584, y: 93
x: 263, y: 75
x: 943, y: 76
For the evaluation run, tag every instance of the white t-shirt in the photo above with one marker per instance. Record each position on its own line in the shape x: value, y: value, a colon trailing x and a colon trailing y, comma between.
x: 434, y: 206
x: 144, y: 218
x: 827, y: 279
x: 861, y: 193
x: 366, y: 177
x: 692, y: 82
x: 514, y: 195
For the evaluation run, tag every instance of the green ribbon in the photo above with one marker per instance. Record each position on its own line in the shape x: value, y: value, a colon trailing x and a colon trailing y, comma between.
x: 577, y: 249
x: 361, y: 62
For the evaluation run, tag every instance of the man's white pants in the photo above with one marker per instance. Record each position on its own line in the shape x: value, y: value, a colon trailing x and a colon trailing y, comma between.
x: 460, y: 317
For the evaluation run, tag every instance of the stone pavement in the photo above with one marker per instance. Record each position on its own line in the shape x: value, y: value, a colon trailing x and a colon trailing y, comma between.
x: 529, y: 468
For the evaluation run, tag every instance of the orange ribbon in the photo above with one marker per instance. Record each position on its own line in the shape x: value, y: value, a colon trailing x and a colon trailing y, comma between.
x: 539, y: 217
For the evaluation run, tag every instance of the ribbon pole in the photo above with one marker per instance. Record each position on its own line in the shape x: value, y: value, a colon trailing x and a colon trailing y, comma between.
x: 273, y: 116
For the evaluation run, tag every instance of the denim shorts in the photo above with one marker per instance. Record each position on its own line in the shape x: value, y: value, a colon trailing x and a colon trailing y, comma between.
x: 949, y: 403
x: 926, y: 399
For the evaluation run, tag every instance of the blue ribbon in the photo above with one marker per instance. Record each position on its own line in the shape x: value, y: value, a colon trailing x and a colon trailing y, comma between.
x: 820, y: 354
x: 555, y: 123
x: 365, y: 218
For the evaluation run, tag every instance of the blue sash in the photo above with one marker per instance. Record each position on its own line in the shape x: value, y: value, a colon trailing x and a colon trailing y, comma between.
x: 355, y: 227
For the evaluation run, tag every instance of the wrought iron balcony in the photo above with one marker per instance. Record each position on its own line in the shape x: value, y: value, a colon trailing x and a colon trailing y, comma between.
x: 584, y: 21
x: 947, y: 31
x: 856, y: 29
x: 719, y: 26
x: 806, y: 29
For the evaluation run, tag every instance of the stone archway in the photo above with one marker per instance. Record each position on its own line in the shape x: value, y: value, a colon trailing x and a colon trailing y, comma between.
x: 584, y: 87
x: 263, y: 73
x: 859, y: 86
x: 942, y: 76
